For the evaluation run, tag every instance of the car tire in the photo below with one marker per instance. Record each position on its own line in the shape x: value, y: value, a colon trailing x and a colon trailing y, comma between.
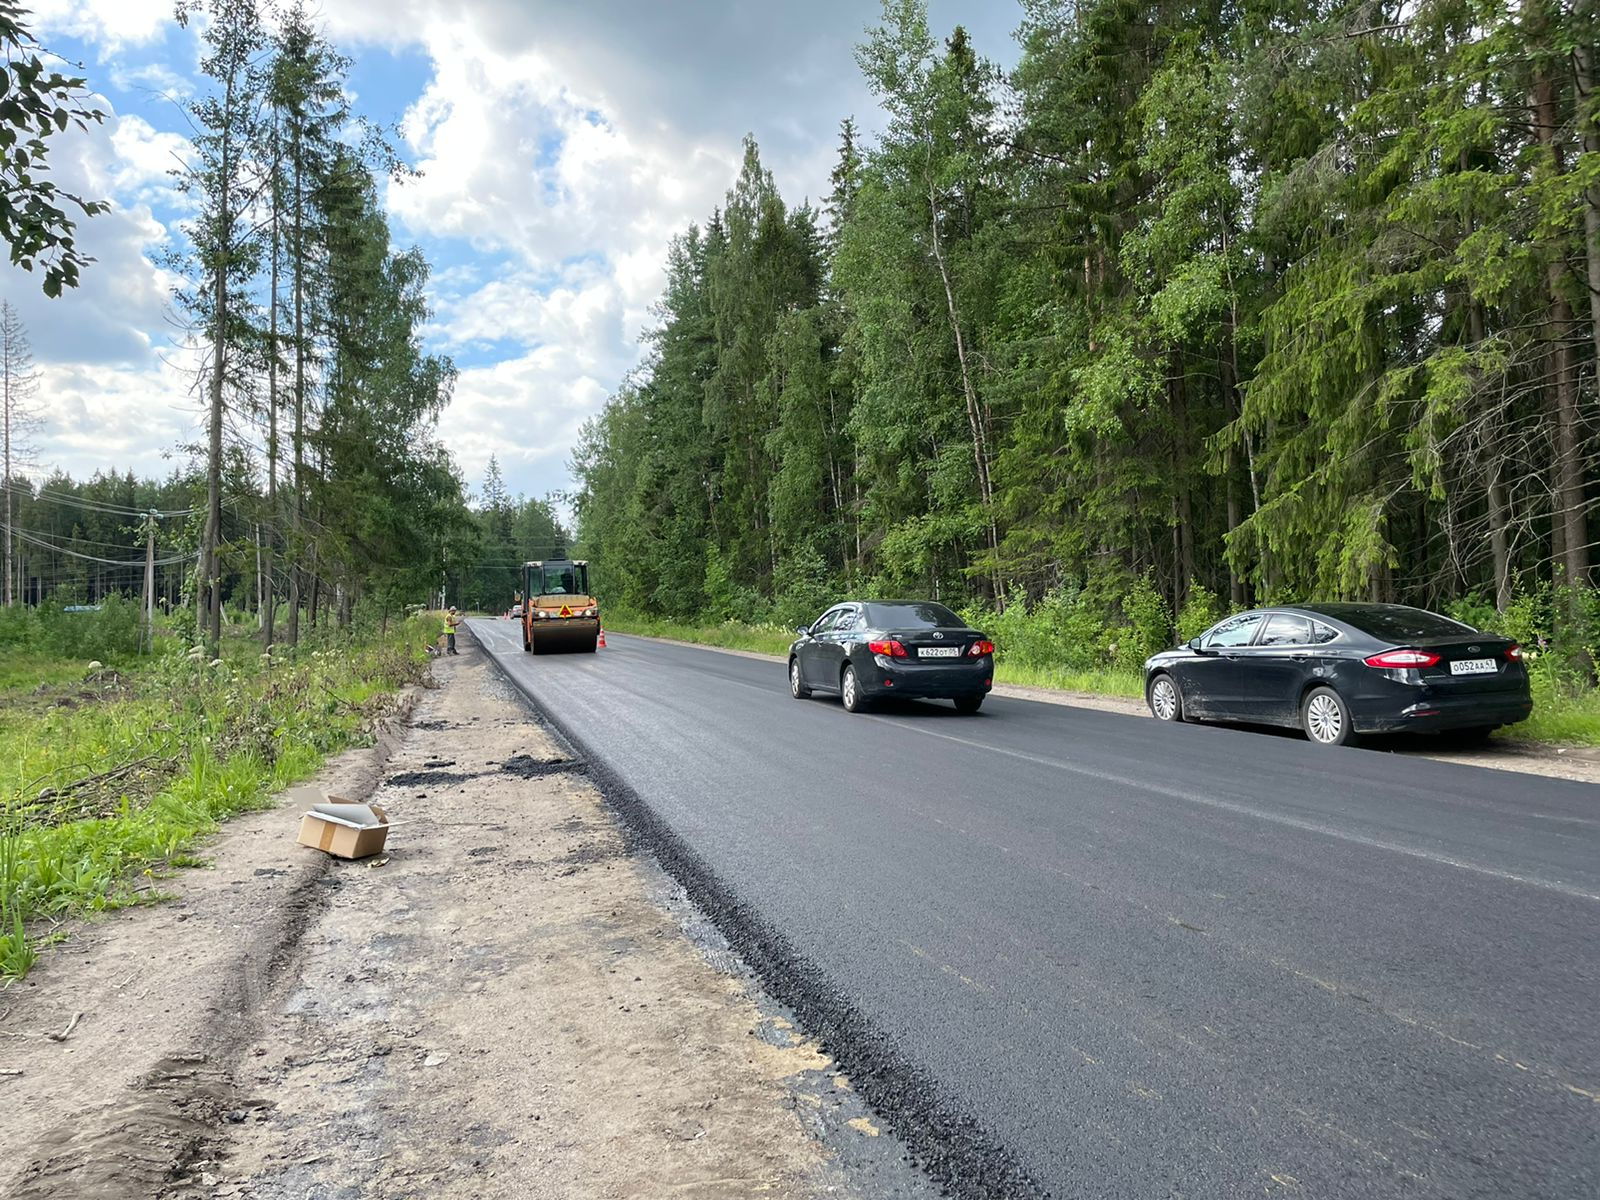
x: 797, y: 687
x: 1164, y: 698
x: 1325, y: 718
x: 850, y: 691
x: 968, y: 704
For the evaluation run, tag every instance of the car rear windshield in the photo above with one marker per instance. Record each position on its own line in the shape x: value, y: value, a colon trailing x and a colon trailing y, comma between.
x: 1400, y: 624
x: 912, y: 614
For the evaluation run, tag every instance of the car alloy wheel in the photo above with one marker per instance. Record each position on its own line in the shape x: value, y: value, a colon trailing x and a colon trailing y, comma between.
x: 1326, y: 721
x: 797, y: 689
x: 850, y: 691
x: 1164, y: 699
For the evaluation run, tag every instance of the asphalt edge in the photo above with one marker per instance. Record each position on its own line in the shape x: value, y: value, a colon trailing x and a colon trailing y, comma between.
x: 956, y: 1151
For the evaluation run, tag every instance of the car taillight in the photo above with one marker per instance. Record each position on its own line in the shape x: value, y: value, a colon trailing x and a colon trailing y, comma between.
x: 1514, y: 652
x: 980, y: 648
x: 1402, y: 658
x: 892, y: 649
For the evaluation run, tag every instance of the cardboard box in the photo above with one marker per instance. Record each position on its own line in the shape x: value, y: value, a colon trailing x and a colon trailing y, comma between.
x: 345, y: 830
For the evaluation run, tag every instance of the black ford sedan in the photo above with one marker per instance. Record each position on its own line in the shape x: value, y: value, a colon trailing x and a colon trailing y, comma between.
x: 864, y: 649
x: 1337, y: 670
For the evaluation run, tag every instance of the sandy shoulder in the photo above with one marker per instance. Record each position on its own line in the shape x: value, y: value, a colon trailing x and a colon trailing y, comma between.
x: 502, y: 1005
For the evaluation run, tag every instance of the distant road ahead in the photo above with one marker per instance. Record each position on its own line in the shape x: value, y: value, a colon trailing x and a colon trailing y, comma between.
x: 1152, y: 961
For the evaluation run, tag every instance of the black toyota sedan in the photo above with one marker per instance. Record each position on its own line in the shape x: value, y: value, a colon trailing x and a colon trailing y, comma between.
x: 872, y: 648
x: 1337, y: 670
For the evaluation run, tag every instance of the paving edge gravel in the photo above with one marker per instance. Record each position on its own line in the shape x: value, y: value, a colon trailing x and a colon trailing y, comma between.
x: 955, y: 1150
x: 1580, y: 763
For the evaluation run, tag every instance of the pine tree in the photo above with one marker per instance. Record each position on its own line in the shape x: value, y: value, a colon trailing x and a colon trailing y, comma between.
x: 225, y: 183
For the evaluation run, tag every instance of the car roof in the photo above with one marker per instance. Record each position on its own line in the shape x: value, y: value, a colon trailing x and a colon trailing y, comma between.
x: 1343, y: 610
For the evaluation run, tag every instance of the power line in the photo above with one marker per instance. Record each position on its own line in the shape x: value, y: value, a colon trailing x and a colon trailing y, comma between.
x: 110, y: 562
x: 54, y: 497
x: 83, y: 541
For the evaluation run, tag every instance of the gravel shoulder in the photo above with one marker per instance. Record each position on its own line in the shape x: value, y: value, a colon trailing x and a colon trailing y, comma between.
x: 508, y: 1002
x: 1579, y: 763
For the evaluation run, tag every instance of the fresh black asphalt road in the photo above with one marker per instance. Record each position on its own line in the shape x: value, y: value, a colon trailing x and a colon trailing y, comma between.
x: 1152, y: 961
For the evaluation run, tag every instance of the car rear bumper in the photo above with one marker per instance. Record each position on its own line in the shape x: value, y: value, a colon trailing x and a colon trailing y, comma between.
x: 926, y: 681
x: 1441, y: 713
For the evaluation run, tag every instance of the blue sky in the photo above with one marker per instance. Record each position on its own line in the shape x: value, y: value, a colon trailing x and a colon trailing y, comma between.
x: 562, y: 145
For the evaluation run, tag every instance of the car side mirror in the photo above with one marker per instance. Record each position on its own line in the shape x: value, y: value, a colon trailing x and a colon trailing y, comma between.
x: 803, y: 630
x: 1194, y: 644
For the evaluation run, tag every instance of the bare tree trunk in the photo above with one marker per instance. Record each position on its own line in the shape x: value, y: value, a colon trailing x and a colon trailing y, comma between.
x: 1499, y: 544
x: 980, y: 440
x: 1567, y: 472
x: 269, y: 592
x: 1228, y: 366
x: 1183, y: 512
x: 1235, y: 580
x: 211, y: 583
x: 296, y: 531
x: 1585, y: 71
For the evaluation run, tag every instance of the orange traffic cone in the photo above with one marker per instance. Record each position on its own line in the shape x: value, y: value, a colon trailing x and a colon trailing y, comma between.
x: 601, y: 644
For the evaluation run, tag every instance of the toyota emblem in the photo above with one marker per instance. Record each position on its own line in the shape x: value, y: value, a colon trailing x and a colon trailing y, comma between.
x: 938, y: 636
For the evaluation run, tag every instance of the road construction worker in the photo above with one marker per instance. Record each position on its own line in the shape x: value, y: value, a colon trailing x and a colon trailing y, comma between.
x: 452, y: 620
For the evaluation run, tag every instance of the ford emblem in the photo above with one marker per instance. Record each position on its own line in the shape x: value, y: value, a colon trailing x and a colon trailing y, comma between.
x: 1472, y: 649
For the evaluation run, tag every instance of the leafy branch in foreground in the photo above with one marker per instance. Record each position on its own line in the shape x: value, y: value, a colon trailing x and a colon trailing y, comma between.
x: 36, y: 104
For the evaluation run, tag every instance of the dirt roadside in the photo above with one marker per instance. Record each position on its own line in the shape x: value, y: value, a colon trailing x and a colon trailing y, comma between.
x: 507, y: 1003
x: 1579, y: 763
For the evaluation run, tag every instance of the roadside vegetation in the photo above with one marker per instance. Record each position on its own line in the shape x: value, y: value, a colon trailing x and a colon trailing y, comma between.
x: 113, y: 766
x: 1186, y: 312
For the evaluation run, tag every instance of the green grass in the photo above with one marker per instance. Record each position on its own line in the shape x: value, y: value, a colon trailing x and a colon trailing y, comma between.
x: 1563, y: 714
x: 1111, y: 681
x: 775, y: 639
x: 28, y: 670
x: 730, y: 635
x: 100, y: 793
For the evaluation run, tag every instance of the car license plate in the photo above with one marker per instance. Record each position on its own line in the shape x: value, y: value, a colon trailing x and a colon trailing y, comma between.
x: 1474, y: 666
x: 939, y: 652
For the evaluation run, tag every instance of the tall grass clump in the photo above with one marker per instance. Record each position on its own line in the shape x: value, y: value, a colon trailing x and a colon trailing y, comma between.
x: 1559, y: 630
x: 103, y: 790
x: 1079, y: 639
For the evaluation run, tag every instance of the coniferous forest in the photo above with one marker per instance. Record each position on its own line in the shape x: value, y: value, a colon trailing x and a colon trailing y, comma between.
x: 318, y: 480
x: 1197, y: 306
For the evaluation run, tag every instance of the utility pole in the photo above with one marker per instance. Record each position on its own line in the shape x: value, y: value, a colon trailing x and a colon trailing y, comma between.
x: 261, y: 611
x: 150, y: 580
x: 7, y: 406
